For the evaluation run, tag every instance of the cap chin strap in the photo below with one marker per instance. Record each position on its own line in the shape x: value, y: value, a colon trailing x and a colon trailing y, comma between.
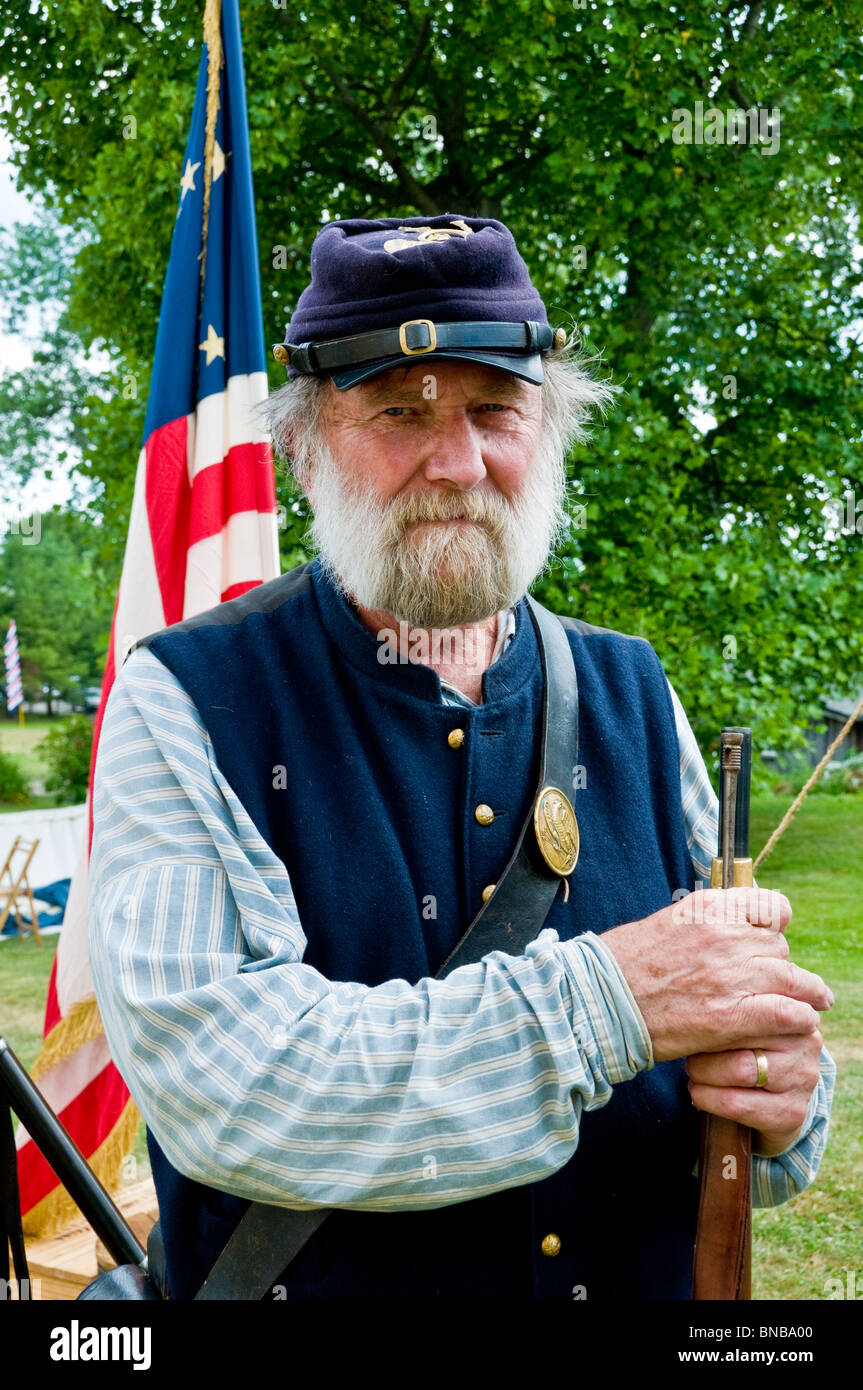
x: 413, y: 338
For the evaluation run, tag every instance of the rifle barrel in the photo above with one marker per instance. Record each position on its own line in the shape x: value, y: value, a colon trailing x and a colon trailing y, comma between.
x: 723, y: 1242
x: 741, y: 805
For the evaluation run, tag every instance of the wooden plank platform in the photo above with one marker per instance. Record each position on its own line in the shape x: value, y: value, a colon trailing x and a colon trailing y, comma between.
x: 61, y: 1265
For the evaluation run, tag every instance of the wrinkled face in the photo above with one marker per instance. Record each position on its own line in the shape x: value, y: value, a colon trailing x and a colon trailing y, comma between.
x: 436, y: 496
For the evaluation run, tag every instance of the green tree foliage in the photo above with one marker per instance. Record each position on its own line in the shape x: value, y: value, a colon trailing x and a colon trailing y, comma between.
x: 39, y: 404
x: 67, y: 410
x: 719, y: 280
x: 48, y: 584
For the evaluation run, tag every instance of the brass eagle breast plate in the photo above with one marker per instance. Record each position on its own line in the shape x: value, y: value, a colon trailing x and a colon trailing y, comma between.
x: 556, y: 830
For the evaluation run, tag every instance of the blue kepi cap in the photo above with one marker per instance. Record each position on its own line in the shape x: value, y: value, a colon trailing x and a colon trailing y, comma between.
x: 389, y: 292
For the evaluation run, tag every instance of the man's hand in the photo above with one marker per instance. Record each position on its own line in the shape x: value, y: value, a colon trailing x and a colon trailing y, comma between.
x: 723, y: 1083
x: 709, y: 978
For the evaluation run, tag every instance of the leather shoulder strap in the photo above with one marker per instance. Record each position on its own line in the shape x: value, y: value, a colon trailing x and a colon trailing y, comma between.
x: 268, y: 1237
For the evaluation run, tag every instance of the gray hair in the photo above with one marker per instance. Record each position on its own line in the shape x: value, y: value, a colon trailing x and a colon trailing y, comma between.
x: 570, y: 394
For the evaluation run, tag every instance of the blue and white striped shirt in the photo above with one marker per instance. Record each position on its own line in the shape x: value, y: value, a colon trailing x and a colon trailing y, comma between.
x: 261, y: 1077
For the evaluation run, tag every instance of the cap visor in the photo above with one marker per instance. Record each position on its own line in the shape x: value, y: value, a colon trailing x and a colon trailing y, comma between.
x: 528, y: 368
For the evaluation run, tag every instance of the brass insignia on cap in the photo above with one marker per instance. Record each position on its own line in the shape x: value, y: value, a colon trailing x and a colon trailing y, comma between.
x: 281, y: 354
x: 556, y: 830
x: 422, y: 234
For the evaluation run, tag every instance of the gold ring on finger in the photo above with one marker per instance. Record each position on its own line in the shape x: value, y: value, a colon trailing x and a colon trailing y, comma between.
x: 761, y: 1060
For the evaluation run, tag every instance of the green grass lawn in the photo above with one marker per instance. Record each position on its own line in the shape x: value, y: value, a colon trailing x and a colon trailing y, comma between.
x: 21, y: 739
x: 25, y: 968
x: 817, y: 864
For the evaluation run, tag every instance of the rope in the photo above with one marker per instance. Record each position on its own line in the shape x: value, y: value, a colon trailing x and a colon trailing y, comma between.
x: 213, y: 40
x: 799, y: 799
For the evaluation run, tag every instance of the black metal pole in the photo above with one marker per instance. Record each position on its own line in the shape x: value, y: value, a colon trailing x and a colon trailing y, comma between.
x: 66, y: 1159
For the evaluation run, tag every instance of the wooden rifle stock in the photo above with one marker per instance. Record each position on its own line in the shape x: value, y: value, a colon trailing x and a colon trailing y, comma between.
x: 723, y: 1241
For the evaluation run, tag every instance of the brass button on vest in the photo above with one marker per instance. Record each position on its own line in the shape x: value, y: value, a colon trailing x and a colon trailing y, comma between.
x: 551, y: 1244
x: 455, y: 738
x: 487, y: 891
x: 484, y: 814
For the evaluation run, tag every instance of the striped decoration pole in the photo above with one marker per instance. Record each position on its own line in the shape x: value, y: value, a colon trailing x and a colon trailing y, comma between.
x: 14, y: 688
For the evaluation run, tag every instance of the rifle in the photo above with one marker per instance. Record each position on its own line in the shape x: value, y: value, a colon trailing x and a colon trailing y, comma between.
x: 19, y: 1094
x: 723, y: 1240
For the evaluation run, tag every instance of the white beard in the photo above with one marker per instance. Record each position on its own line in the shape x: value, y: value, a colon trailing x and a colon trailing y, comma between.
x: 437, y: 576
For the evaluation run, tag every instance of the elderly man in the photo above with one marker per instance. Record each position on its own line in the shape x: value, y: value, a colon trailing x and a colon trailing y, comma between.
x: 305, y: 796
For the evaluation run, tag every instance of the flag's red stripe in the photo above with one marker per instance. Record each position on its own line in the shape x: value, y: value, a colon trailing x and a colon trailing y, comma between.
x: 107, y: 683
x: 168, y: 498
x: 241, y: 482
x: 234, y: 590
x: 52, y: 1003
x: 90, y: 1117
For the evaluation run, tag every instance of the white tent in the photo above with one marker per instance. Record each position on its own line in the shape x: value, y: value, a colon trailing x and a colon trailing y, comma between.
x: 60, y: 832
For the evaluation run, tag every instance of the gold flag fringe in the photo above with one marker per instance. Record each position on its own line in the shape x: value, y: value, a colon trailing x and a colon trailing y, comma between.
x: 213, y: 40
x: 58, y: 1209
x: 80, y: 1025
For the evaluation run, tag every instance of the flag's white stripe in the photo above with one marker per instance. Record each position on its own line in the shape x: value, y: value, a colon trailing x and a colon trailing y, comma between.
x: 74, y: 981
x: 244, y: 551
x: 139, y: 606
x: 224, y: 421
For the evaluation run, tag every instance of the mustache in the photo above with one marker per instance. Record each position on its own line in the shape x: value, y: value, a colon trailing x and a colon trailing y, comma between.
x: 484, y: 507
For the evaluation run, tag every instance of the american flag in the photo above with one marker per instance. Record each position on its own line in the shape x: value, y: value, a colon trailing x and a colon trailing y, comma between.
x: 14, y: 692
x: 202, y: 530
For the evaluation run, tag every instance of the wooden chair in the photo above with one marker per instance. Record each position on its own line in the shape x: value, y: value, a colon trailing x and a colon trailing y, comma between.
x: 18, y: 885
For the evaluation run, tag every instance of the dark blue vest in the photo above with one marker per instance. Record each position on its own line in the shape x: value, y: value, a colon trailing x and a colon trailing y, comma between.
x: 377, y: 816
